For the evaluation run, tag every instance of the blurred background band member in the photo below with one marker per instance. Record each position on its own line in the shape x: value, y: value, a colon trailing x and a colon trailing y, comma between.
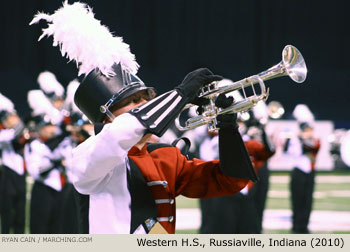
x: 60, y: 112
x: 235, y: 214
x: 81, y: 129
x: 255, y: 125
x: 13, y: 184
x: 53, y: 90
x: 45, y: 158
x: 304, y: 148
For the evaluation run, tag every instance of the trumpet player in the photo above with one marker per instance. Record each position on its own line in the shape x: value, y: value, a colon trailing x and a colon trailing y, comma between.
x: 304, y: 148
x: 13, y: 184
x: 132, y: 184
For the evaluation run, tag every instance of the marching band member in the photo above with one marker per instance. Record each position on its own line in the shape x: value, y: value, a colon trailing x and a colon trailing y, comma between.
x: 132, y: 184
x: 13, y: 184
x: 260, y: 149
x: 45, y: 162
x: 55, y: 93
x: 82, y: 130
x: 256, y: 131
x: 77, y: 204
x: 236, y: 214
x: 52, y: 89
x: 303, y: 147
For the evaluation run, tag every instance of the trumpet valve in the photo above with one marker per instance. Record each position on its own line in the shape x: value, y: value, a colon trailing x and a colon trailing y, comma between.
x: 210, y: 113
x: 254, y: 100
x: 266, y: 95
x: 208, y: 89
x: 211, y: 126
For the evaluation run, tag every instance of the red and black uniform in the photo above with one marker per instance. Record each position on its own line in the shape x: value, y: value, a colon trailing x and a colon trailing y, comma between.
x: 259, y: 155
x: 127, y: 186
x: 169, y: 174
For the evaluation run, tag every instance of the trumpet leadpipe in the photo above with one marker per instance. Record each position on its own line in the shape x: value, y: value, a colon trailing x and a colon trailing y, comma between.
x: 213, y: 90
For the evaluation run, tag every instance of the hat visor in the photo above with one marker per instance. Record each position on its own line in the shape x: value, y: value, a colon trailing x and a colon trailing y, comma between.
x: 150, y: 90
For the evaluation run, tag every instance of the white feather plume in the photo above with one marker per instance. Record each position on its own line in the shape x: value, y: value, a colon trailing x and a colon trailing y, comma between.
x: 85, y: 40
x: 69, y: 101
x: 6, y: 104
x: 302, y: 113
x: 48, y: 83
x: 41, y: 105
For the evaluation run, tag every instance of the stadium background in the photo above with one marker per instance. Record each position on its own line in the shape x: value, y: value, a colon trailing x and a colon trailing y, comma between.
x: 235, y: 39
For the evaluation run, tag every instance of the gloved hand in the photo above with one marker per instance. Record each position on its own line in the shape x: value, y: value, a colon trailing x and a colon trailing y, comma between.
x: 194, y: 81
x: 221, y: 101
x: 226, y: 121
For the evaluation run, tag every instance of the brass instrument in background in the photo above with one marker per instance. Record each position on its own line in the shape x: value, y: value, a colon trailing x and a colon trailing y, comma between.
x: 292, y: 64
x: 275, y: 109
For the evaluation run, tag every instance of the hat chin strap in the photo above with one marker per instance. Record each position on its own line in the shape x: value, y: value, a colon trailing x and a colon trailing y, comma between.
x: 110, y: 115
x: 105, y: 109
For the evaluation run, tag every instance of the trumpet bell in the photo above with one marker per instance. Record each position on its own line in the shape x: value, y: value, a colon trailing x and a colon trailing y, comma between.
x: 294, y: 63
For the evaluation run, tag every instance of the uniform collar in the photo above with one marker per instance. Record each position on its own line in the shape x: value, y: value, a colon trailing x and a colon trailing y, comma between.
x: 134, y: 151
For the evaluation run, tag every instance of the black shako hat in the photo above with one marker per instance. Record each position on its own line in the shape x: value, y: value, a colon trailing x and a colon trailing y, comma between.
x: 6, y: 108
x: 97, y: 92
x: 305, y: 125
x: 3, y: 115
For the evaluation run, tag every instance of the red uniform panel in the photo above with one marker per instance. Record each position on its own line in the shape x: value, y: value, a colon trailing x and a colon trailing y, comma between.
x: 258, y: 154
x: 194, y: 179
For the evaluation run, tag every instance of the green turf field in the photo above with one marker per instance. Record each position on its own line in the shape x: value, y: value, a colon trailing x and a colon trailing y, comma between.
x: 332, y: 193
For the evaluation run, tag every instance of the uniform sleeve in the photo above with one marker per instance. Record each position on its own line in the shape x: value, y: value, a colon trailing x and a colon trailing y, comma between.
x: 201, y: 179
x: 36, y: 158
x: 63, y: 150
x: 96, y: 158
x: 294, y: 147
x: 6, y: 135
x: 258, y: 150
x: 311, y: 145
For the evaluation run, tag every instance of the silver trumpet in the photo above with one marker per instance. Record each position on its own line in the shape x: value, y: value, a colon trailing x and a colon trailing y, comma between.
x: 292, y: 64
